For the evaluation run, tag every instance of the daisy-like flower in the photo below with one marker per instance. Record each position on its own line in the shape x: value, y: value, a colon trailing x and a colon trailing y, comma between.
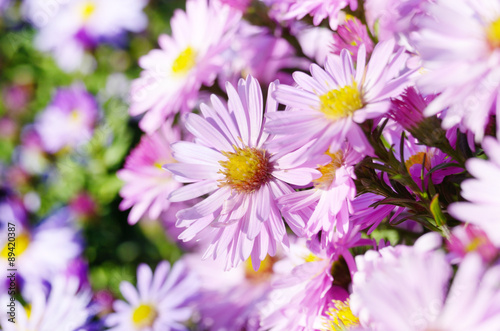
x: 308, y: 281
x: 65, y: 308
x: 229, y: 160
x: 407, y: 288
x: 469, y: 238
x: 67, y: 28
x: 44, y: 251
x: 188, y: 59
x: 318, y: 9
x: 147, y: 185
x: 69, y: 119
x: 483, y: 206
x: 460, y: 46
x: 330, y: 199
x: 329, y: 105
x: 351, y: 35
x: 162, y: 301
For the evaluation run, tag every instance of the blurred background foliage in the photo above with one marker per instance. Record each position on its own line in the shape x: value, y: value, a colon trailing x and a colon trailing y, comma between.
x: 113, y: 248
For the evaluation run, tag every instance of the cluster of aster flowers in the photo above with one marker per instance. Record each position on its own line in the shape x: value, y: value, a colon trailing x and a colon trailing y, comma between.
x: 324, y: 165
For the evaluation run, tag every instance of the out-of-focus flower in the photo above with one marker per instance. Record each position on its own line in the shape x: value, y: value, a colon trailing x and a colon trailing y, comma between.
x: 460, y: 46
x: 231, y: 162
x: 318, y: 9
x: 306, y: 283
x: 396, y: 19
x: 230, y: 299
x: 329, y: 202
x: 147, y: 185
x: 188, y: 59
x: 65, y: 308
x: 69, y: 119
x: 314, y: 41
x: 162, y: 301
x: 68, y: 28
x: 483, y: 206
x: 406, y: 288
x: 44, y: 251
x: 467, y: 239
x: 16, y: 98
x: 351, y: 35
x: 328, y: 106
x: 83, y: 205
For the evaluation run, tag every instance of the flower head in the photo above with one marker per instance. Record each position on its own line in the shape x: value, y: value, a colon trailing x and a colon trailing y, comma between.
x: 328, y: 106
x: 230, y: 160
x: 162, y: 301
x: 188, y: 59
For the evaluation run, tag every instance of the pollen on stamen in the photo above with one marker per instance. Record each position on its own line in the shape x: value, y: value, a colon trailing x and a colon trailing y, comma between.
x: 328, y: 171
x: 144, y: 316
x: 493, y: 33
x: 185, y: 61
x: 419, y: 159
x: 340, y: 316
x: 341, y: 103
x: 246, y: 169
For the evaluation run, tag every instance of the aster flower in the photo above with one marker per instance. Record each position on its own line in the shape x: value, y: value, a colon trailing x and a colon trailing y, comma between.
x: 307, y: 282
x: 319, y: 10
x: 65, y: 308
x: 459, y: 45
x: 44, y: 251
x: 406, y: 288
x: 329, y: 105
x: 469, y: 238
x: 483, y: 206
x: 229, y: 160
x: 162, y: 301
x: 147, y: 185
x: 229, y: 300
x: 329, y: 202
x: 351, y: 35
x: 69, y: 119
x: 188, y: 59
x: 68, y: 28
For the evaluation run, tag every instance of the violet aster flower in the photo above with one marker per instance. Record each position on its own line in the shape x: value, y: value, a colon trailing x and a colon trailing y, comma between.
x: 69, y: 119
x: 230, y: 161
x: 67, y: 28
x: 483, y: 206
x: 188, y: 59
x: 162, y: 301
x: 147, y: 185
x: 65, y: 308
x: 406, y: 288
x: 328, y: 105
x: 460, y: 46
x: 329, y: 202
x: 305, y: 288
x: 318, y: 9
x: 351, y: 35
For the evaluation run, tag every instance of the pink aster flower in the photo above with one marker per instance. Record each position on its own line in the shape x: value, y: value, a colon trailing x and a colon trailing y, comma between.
x: 304, y: 289
x: 329, y: 202
x: 188, y: 59
x: 65, y: 308
x: 319, y: 10
x: 469, y: 238
x: 483, y: 206
x: 406, y: 288
x: 147, y: 185
x: 351, y: 35
x: 460, y: 46
x: 329, y: 105
x: 68, y: 28
x: 69, y: 119
x: 162, y: 301
x: 230, y: 161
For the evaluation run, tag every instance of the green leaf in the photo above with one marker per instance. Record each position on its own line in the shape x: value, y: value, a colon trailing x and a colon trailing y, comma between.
x: 436, y: 211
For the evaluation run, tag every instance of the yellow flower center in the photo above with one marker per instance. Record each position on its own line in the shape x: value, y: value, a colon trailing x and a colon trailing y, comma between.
x: 328, y: 171
x: 246, y: 170
x: 475, y: 244
x: 312, y: 258
x: 27, y: 309
x: 185, y: 61
x: 419, y: 159
x: 265, y: 270
x: 493, y: 33
x: 340, y: 317
x: 20, y: 244
x: 75, y: 116
x: 144, y: 316
x: 87, y: 9
x: 340, y: 103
